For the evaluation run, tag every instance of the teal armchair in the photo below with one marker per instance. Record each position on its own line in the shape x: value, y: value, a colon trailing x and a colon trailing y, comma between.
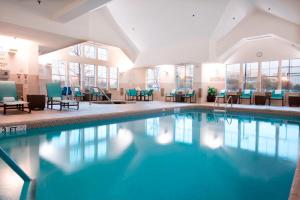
x: 78, y: 94
x: 96, y: 93
x: 54, y: 97
x: 147, y: 94
x: 131, y: 94
x: 222, y: 95
x: 171, y: 95
x: 246, y: 94
x: 191, y: 95
x: 277, y: 95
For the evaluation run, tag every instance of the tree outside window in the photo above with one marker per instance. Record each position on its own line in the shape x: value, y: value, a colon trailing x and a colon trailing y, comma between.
x: 59, y: 72
x: 269, y: 75
x: 90, y: 51
x: 233, y: 77
x: 89, y: 75
x: 290, y: 75
x: 153, y: 78
x: 113, y: 77
x: 250, y: 75
x: 184, y: 77
x: 102, y: 54
x: 74, y: 74
x: 102, y: 77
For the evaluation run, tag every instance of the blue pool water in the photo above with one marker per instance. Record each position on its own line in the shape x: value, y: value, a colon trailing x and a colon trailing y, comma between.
x: 190, y: 155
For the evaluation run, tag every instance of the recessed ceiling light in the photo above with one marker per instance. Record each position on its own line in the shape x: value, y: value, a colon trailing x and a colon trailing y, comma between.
x: 233, y: 18
x: 269, y: 9
x: 193, y: 15
x: 133, y: 29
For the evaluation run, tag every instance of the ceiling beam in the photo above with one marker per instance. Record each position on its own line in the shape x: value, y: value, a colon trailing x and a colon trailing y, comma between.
x: 77, y: 8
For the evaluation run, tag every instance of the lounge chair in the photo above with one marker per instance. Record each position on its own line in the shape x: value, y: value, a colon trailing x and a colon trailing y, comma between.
x: 246, y: 94
x: 131, y: 94
x: 78, y: 94
x: 147, y: 94
x: 277, y: 95
x: 54, y: 94
x: 171, y: 95
x: 222, y: 95
x: 96, y: 92
x: 191, y: 94
x: 9, y: 98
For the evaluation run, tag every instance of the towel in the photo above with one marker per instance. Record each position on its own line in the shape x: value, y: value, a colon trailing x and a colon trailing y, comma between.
x: 9, y: 99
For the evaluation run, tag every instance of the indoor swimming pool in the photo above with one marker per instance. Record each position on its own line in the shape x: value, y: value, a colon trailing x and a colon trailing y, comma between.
x: 186, y: 155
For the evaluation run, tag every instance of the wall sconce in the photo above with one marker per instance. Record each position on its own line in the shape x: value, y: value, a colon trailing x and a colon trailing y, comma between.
x: 25, y: 76
x: 19, y: 75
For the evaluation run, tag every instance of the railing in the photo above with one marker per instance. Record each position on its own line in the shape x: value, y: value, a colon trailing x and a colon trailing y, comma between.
x: 13, y: 165
x: 107, y: 97
x: 217, y: 104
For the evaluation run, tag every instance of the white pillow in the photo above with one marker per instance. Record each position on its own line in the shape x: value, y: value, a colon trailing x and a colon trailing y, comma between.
x: 190, y: 92
x: 246, y: 91
x: 222, y: 91
x: 9, y: 99
x: 76, y: 89
x: 173, y: 91
x: 96, y: 90
x: 56, y: 98
x: 277, y: 92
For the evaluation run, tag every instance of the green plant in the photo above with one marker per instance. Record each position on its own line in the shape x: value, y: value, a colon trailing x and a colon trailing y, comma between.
x: 212, y: 91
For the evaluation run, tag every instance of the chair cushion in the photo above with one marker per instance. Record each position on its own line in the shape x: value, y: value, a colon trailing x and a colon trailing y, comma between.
x: 96, y: 90
x: 277, y: 92
x: 247, y: 92
x: 76, y: 89
x: 56, y: 99
x: 9, y: 99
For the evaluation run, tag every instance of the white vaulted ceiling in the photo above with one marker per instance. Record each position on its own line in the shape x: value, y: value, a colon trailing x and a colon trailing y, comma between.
x: 150, y: 32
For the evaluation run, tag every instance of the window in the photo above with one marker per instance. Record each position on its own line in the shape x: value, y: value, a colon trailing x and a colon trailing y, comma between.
x: 269, y: 75
x: 233, y: 77
x: 291, y: 75
x: 102, y: 54
x: 102, y: 77
x: 184, y: 77
x: 184, y: 129
x: 267, y: 139
x: 231, y: 133
x: 288, y: 141
x: 153, y: 78
x: 250, y: 75
x: 152, y: 126
x: 74, y: 74
x: 248, y: 135
x: 90, y: 51
x: 113, y: 77
x: 89, y: 76
x: 59, y: 72
x: 75, y: 50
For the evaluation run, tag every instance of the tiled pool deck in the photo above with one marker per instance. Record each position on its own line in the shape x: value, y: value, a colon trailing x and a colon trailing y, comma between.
x: 90, y: 112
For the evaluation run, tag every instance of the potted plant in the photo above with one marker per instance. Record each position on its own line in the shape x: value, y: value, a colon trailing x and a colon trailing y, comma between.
x: 211, y: 94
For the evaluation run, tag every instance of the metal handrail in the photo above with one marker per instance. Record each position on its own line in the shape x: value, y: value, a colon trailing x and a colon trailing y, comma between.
x: 109, y: 99
x: 229, y: 98
x: 13, y: 165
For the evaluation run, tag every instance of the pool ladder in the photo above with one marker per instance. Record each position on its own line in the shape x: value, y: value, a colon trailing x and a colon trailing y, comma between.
x: 217, y: 107
x: 13, y: 165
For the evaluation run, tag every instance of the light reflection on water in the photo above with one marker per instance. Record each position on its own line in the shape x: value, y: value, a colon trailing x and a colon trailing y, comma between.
x: 76, y: 149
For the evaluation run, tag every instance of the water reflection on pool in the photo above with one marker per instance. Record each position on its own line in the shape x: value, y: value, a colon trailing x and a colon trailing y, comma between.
x: 236, y: 151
